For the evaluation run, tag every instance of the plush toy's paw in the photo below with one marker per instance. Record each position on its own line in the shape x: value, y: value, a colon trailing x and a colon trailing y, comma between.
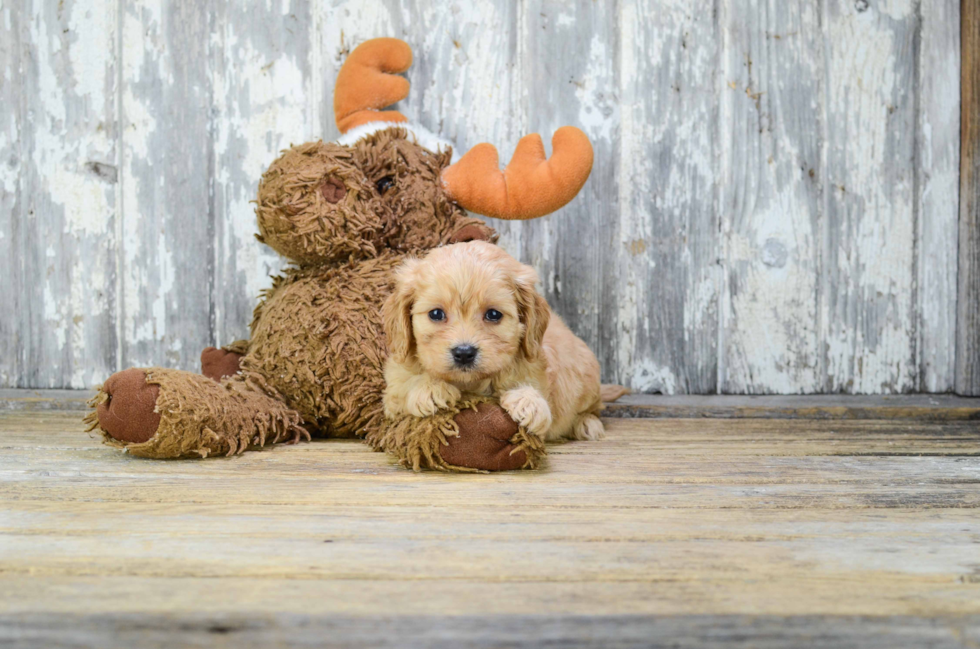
x: 589, y: 428
x: 472, y: 232
x: 484, y: 440
x: 218, y: 363
x: 127, y: 414
x: 528, y: 408
x: 475, y: 435
x: 429, y: 397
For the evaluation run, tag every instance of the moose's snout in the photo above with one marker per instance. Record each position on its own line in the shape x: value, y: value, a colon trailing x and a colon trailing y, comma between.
x: 464, y: 354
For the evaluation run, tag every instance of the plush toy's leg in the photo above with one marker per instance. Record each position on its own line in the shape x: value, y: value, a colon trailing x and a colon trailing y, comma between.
x: 474, y: 436
x: 218, y: 363
x: 164, y: 413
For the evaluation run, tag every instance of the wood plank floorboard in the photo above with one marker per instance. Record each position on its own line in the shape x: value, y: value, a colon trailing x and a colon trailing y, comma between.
x: 758, y: 532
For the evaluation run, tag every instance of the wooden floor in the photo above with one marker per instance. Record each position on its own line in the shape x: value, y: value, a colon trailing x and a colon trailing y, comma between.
x: 671, y: 532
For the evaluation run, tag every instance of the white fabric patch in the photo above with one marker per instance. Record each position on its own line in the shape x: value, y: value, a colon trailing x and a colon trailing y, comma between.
x: 423, y: 136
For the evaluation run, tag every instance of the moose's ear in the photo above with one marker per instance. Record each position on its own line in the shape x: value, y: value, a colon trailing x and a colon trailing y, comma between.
x: 530, y: 186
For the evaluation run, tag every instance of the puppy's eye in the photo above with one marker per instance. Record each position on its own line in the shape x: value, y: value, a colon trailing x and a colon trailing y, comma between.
x: 492, y: 315
x: 385, y: 184
x: 437, y: 315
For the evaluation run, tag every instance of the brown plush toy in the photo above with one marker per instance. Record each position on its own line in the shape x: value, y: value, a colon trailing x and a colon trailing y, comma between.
x: 346, y: 214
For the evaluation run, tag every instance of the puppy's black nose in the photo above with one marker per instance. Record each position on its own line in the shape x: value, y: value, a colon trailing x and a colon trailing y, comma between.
x: 464, y: 354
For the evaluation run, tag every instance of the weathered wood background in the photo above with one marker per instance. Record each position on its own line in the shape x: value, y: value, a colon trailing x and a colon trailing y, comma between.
x: 773, y: 206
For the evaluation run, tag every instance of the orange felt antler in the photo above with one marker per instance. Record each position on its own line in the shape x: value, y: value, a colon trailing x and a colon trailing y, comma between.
x: 367, y: 82
x: 530, y: 186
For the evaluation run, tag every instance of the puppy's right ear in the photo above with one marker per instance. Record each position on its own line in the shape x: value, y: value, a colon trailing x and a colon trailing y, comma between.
x: 397, y: 313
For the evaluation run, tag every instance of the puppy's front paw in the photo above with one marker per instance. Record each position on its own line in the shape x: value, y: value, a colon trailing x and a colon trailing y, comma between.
x: 528, y: 408
x: 429, y: 397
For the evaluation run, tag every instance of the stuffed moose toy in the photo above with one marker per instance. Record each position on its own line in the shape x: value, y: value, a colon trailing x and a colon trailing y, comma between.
x: 346, y: 214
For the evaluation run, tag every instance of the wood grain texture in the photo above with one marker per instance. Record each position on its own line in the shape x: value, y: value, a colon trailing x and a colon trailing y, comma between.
x: 929, y: 407
x: 937, y: 173
x: 573, y: 632
x: 869, y: 228
x: 575, y: 81
x: 918, y: 407
x: 264, y: 96
x: 167, y: 229
x: 770, y: 197
x: 11, y: 209
x: 666, y: 244
x: 968, y: 296
x: 772, y: 208
x: 62, y: 249
x: 760, y: 530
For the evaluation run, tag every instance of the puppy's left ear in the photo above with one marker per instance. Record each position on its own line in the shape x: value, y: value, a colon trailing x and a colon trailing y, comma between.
x: 397, y: 313
x: 533, y: 311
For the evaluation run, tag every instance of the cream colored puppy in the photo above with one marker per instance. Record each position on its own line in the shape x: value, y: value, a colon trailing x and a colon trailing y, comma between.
x: 466, y: 319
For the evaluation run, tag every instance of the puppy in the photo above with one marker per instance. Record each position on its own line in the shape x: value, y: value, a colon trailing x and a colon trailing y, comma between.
x: 466, y: 319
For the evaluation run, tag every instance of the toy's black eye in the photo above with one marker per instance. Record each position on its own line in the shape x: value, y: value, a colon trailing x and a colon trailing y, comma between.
x: 437, y: 315
x: 492, y: 315
x: 385, y: 184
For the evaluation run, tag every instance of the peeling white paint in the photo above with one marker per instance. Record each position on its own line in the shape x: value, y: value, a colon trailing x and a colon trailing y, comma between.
x: 598, y: 113
x: 9, y: 176
x: 160, y: 221
x: 67, y: 204
x: 53, y: 316
x: 896, y: 9
x: 677, y: 134
x: 938, y: 178
x: 769, y: 325
x: 263, y: 107
x: 89, y: 27
x: 646, y: 376
x: 869, y: 338
x: 667, y: 293
x: 138, y: 126
x: 634, y: 175
x: 261, y: 129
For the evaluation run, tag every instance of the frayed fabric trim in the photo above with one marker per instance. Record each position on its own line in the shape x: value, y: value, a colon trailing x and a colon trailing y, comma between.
x: 423, y: 136
x: 417, y: 442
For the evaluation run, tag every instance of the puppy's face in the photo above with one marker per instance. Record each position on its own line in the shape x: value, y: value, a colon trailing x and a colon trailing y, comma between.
x: 466, y: 312
x: 465, y: 319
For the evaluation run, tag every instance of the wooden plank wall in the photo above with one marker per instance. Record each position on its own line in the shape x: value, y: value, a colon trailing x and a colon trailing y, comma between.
x: 968, y: 333
x: 774, y: 205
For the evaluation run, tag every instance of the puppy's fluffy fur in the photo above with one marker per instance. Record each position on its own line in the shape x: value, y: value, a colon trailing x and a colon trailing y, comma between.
x: 545, y: 377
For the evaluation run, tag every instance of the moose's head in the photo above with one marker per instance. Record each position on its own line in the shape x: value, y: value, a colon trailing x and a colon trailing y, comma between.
x: 389, y: 184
